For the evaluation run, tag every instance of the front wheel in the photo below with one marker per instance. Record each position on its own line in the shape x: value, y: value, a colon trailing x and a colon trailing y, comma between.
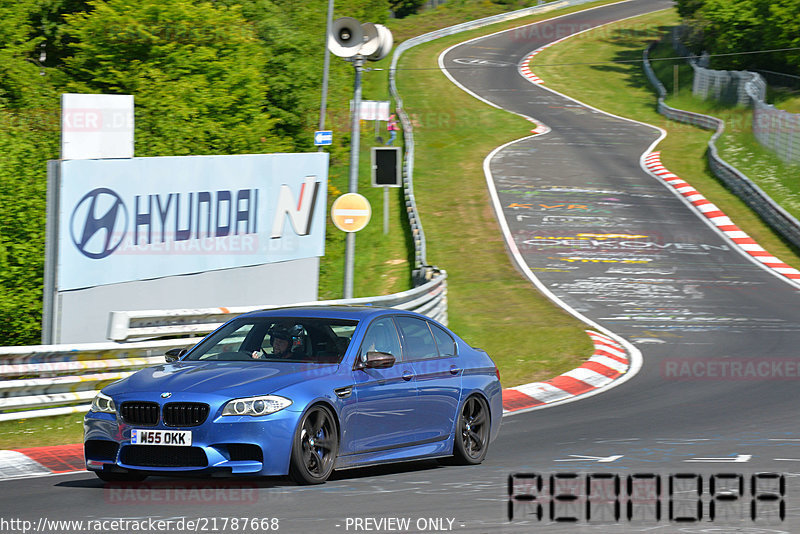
x: 315, y: 447
x: 472, y: 434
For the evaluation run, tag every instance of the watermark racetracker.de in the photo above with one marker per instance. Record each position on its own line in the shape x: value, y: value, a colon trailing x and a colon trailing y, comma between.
x: 691, y: 369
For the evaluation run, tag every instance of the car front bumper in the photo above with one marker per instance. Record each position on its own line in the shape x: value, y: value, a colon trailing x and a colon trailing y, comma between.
x: 224, y: 445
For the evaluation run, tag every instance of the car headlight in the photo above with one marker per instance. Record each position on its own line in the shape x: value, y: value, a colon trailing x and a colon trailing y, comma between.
x: 255, y: 406
x: 103, y: 403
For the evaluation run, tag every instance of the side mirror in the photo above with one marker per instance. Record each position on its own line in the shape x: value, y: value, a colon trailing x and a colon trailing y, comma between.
x: 379, y: 360
x: 173, y: 355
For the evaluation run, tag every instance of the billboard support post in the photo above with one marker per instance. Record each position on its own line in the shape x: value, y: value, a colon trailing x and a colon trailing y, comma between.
x: 385, y: 210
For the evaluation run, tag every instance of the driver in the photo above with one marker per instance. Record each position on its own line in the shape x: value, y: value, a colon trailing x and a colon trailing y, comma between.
x: 281, y: 341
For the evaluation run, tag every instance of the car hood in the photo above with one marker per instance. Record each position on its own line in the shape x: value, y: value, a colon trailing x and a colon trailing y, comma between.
x: 223, y: 378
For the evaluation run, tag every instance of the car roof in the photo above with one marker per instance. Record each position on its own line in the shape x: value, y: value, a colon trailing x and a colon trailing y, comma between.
x: 352, y: 312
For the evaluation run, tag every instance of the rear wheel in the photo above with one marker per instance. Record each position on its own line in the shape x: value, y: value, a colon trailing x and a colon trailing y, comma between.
x: 110, y: 476
x: 315, y: 447
x: 472, y: 433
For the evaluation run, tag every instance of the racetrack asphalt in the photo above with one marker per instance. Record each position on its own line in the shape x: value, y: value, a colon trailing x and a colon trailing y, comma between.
x: 718, y: 335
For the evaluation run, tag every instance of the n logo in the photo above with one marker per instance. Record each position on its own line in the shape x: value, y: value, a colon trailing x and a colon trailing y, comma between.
x: 299, y: 215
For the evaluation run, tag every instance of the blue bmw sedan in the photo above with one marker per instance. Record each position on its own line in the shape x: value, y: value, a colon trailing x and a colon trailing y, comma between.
x: 300, y: 391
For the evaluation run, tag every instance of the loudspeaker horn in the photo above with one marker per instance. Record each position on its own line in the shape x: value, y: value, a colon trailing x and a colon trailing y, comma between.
x: 385, y: 43
x: 371, y: 39
x: 346, y: 37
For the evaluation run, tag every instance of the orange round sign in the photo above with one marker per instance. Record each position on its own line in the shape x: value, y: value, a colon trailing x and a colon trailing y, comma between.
x: 351, y: 212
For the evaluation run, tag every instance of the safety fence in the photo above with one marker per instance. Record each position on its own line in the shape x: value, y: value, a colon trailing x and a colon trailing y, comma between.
x: 778, y: 130
x: 418, y: 234
x: 778, y: 218
x: 46, y: 380
x: 774, y: 128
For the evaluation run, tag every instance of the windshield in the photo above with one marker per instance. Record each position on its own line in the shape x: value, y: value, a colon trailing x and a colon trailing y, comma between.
x: 274, y: 339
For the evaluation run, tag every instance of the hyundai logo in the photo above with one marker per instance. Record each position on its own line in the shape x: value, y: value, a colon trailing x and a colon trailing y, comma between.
x: 99, y: 222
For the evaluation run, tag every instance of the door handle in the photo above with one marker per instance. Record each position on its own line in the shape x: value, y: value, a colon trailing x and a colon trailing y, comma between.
x: 407, y: 375
x: 344, y: 392
x: 454, y: 370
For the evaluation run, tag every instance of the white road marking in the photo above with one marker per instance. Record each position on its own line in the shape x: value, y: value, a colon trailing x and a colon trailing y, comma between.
x: 598, y: 459
x: 738, y: 459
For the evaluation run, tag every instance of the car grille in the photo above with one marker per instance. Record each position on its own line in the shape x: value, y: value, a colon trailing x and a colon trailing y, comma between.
x: 100, y: 449
x: 163, y: 456
x: 139, y: 413
x: 245, y: 452
x: 185, y: 413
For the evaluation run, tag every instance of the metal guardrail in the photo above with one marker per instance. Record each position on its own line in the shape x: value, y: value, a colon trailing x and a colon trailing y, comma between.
x: 774, y: 215
x: 429, y: 299
x: 40, y: 380
x: 45, y: 380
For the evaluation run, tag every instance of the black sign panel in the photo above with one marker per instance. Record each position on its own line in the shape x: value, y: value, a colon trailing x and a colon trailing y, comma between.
x: 386, y: 166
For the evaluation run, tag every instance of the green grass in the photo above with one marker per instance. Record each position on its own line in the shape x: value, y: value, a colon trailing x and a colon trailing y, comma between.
x: 383, y: 262
x: 623, y: 89
x: 784, y: 98
x: 490, y: 304
x: 41, y: 431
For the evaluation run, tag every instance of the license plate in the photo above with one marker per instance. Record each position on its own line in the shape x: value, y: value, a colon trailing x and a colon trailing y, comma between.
x: 177, y: 438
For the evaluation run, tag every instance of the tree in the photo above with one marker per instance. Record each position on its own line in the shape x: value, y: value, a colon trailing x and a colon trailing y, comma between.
x: 735, y: 26
x: 196, y: 70
x: 404, y: 8
x: 687, y: 8
x: 29, y: 136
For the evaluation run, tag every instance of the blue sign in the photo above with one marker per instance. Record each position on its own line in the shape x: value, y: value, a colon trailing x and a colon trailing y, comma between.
x: 323, y: 137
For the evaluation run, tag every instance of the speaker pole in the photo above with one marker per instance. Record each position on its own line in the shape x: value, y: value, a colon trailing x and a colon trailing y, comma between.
x: 355, y: 141
x: 325, y: 68
x: 358, y: 63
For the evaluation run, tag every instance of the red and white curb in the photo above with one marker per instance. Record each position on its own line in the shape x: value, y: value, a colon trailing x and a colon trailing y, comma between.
x: 38, y: 461
x: 525, y: 68
x: 718, y: 218
x: 609, y: 362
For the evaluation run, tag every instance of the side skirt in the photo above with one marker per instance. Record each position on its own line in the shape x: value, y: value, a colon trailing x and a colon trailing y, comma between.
x: 435, y: 449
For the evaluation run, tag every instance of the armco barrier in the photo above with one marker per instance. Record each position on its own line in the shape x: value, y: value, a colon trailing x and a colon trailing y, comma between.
x: 429, y: 299
x: 48, y: 380
x: 43, y: 380
x: 774, y: 215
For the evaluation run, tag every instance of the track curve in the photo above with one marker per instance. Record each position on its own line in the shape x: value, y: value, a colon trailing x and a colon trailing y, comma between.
x: 616, y: 245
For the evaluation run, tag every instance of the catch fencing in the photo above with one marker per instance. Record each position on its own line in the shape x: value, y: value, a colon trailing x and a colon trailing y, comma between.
x: 45, y: 380
x: 778, y: 218
x: 774, y: 128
